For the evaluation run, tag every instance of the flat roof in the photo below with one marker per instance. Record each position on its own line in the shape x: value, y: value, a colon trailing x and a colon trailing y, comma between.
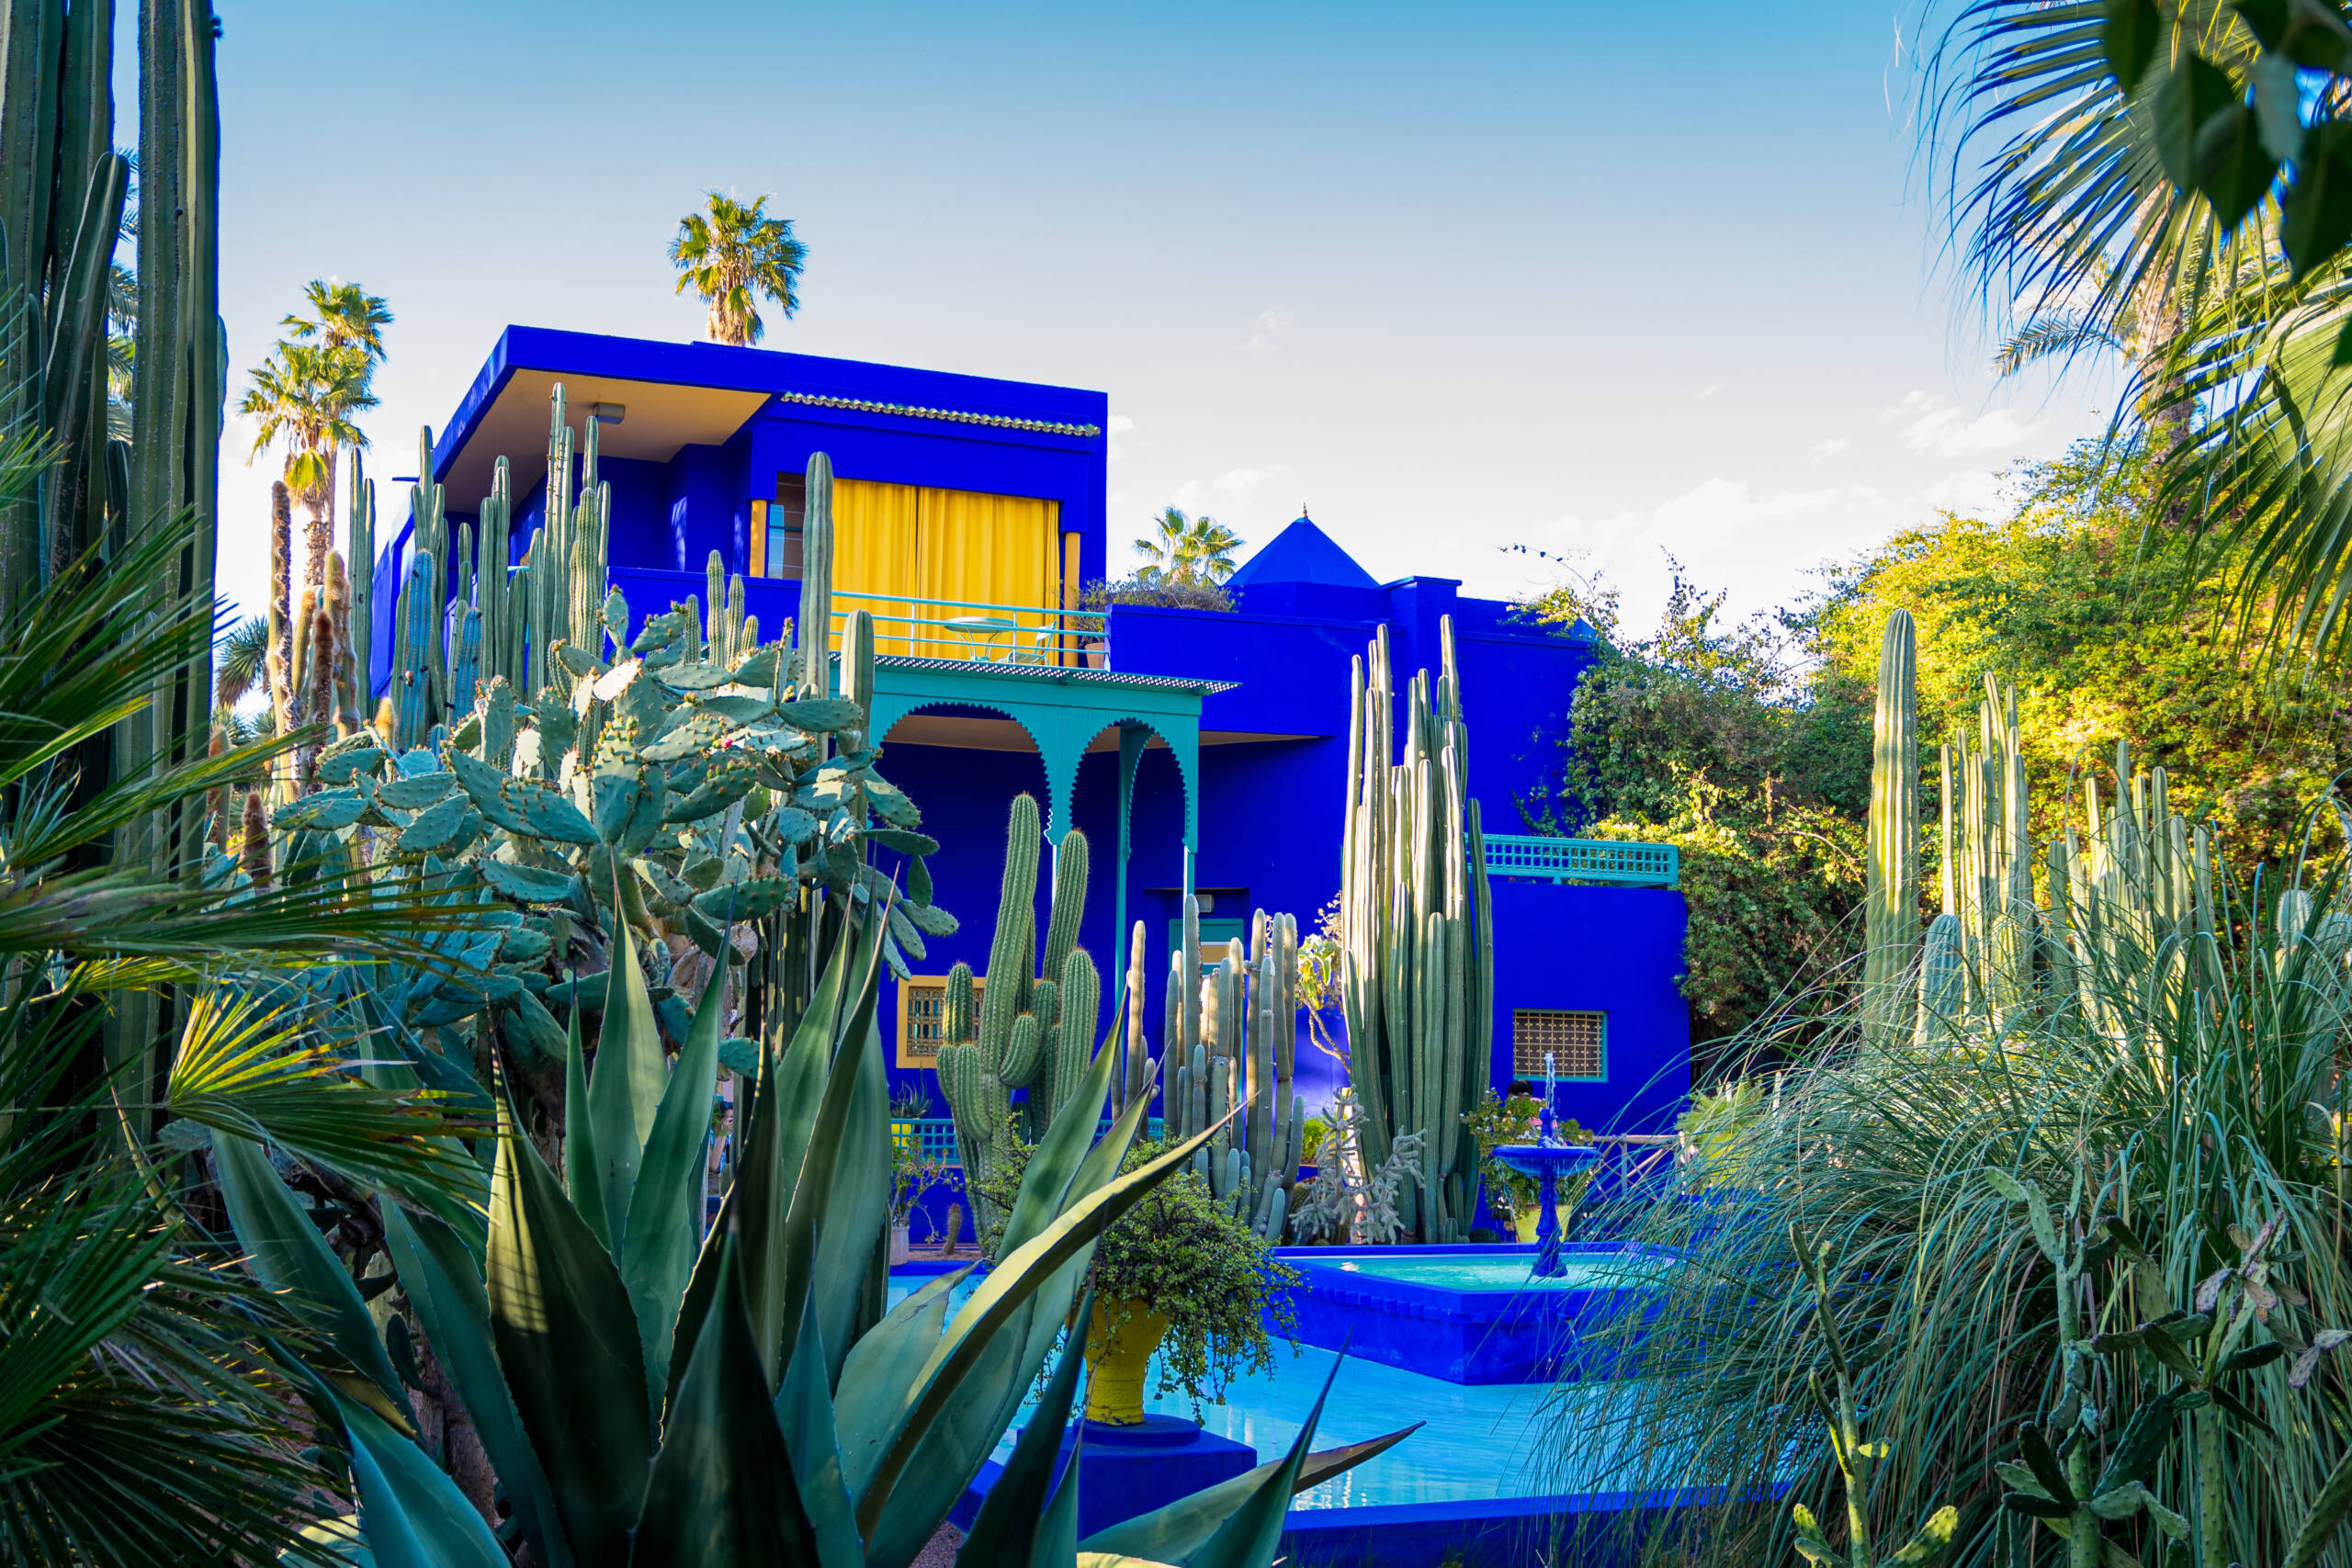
x: 680, y: 394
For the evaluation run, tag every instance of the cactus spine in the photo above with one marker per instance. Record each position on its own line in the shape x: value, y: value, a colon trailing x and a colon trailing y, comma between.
x: 1890, y: 899
x: 1417, y: 950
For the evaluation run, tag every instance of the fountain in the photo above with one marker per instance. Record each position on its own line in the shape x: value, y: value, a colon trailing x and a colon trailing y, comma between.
x: 1546, y: 1159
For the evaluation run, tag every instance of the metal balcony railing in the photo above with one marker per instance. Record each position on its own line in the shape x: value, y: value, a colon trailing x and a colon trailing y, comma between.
x: 982, y: 633
x: 936, y: 1136
x: 1616, y: 863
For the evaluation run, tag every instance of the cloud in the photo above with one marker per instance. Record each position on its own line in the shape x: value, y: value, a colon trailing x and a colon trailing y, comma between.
x: 1969, y: 493
x: 1120, y: 425
x: 1242, y: 481
x: 1231, y: 486
x: 1711, y: 388
x: 1823, y: 450
x: 1934, y: 424
x: 1718, y: 510
x: 1265, y: 327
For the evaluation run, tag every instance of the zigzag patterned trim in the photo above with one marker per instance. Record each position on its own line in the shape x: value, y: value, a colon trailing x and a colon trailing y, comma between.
x: 958, y: 416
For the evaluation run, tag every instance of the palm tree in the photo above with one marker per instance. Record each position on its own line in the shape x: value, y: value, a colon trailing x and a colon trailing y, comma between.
x: 730, y: 254
x: 2074, y: 227
x: 1187, y: 549
x: 346, y: 319
x: 303, y: 396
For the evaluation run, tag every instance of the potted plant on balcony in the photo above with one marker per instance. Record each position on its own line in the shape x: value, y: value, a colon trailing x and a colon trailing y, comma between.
x: 1179, y: 1277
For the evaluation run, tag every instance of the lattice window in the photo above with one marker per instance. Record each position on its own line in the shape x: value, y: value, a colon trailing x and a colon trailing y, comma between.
x: 923, y: 1003
x: 1579, y: 1042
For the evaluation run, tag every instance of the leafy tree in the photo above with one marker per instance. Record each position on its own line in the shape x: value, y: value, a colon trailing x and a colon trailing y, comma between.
x: 1729, y: 742
x: 1187, y: 549
x: 2113, y: 629
x: 730, y: 254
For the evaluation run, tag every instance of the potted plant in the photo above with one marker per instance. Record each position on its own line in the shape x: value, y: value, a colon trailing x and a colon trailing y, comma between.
x: 912, y: 1173
x: 1515, y: 1119
x: 1181, y: 1277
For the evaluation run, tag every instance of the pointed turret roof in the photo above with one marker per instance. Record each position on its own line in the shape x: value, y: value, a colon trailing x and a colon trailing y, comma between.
x: 1302, y: 553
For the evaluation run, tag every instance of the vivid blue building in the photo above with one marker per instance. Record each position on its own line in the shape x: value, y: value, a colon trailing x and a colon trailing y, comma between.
x: 969, y: 513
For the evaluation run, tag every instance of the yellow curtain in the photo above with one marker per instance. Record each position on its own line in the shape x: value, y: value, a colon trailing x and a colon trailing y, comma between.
x: 896, y: 544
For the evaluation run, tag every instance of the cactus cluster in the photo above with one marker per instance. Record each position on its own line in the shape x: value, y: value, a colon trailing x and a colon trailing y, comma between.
x: 1233, y: 1036
x: 1418, y: 961
x: 679, y: 784
x: 1029, y: 1023
x: 2126, y: 897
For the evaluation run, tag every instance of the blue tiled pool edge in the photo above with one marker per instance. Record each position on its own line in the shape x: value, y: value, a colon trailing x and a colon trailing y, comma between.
x: 1495, y: 1532
x: 1473, y: 1336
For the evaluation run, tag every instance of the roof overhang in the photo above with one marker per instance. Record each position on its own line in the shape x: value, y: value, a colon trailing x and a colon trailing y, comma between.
x: 658, y: 418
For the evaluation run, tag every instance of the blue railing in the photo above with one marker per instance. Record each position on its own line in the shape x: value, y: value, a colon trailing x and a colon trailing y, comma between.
x: 936, y: 1135
x: 1618, y: 863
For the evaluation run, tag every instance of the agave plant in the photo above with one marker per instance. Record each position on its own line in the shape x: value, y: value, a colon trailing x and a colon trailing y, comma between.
x: 652, y: 1394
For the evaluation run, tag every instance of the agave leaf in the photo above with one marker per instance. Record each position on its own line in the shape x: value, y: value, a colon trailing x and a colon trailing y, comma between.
x: 757, y: 1200
x: 1179, y: 1529
x: 804, y: 1409
x: 1006, y: 1292
x: 1252, y: 1531
x: 722, y: 1491
x: 881, y: 1368
x: 583, y: 1174
x: 1011, y: 1527
x: 411, y: 1514
x: 960, y: 1440
x: 624, y: 1087
x: 858, y: 1209
x: 569, y: 1344
x: 665, y: 1231
x: 289, y: 1256
x: 855, y: 1047
x: 445, y: 1289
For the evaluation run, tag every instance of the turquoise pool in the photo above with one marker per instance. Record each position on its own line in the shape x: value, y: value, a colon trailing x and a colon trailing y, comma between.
x: 1482, y: 1442
x: 1460, y: 1273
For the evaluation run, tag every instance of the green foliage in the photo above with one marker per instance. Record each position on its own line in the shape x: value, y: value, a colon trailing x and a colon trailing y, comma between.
x: 1517, y: 1120
x: 2147, y: 1044
x: 1725, y: 740
x: 1167, y: 593
x: 1184, y: 1253
x: 2112, y: 629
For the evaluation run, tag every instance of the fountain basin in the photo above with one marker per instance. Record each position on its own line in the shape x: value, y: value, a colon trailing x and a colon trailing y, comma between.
x: 1469, y: 1315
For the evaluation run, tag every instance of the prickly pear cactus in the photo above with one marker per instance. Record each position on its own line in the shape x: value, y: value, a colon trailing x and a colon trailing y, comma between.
x: 581, y: 774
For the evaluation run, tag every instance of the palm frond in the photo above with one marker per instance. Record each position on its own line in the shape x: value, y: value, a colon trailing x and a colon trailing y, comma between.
x: 247, y: 1067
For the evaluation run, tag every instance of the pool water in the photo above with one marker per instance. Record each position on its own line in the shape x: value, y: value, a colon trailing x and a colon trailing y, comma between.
x: 1481, y: 1441
x: 1460, y: 1273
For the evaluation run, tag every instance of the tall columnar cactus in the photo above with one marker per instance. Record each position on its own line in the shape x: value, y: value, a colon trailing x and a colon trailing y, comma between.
x: 1027, y: 1032
x: 1244, y: 1058
x: 1135, y: 1071
x: 1890, y: 899
x: 813, y: 635
x: 1417, y: 966
x: 359, y: 644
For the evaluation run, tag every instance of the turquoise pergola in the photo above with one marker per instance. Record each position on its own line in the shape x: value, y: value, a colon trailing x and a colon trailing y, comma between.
x: 1062, y: 710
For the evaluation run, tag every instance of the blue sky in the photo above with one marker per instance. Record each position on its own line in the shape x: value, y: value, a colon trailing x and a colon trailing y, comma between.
x: 1604, y: 280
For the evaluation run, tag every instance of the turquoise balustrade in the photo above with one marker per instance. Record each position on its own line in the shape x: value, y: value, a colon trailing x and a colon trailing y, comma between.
x: 1617, y: 863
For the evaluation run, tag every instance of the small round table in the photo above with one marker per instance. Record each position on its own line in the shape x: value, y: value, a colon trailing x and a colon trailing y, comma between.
x: 969, y: 628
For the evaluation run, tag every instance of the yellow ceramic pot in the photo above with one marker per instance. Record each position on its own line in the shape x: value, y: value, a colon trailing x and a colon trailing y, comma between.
x: 1118, y: 1353
x: 1523, y: 1220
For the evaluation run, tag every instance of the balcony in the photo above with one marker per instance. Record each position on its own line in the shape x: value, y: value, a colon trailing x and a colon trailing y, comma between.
x: 971, y: 631
x: 1613, y: 863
